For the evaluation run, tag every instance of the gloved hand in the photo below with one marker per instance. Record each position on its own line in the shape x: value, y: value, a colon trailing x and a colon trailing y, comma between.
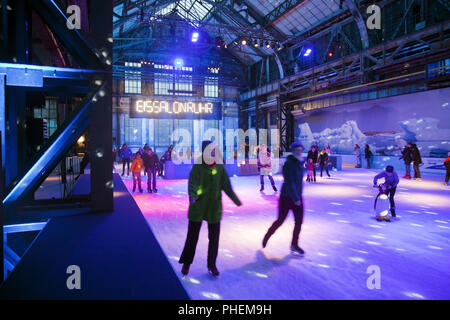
x: 193, y: 199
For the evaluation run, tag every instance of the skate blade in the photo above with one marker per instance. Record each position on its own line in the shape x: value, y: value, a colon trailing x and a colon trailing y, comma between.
x: 297, y: 253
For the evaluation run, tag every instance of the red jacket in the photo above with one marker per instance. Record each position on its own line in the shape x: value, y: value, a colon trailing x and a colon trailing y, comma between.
x: 447, y: 162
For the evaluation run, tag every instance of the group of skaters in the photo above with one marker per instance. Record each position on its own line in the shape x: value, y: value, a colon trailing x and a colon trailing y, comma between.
x: 144, y: 160
x: 411, y: 154
x: 207, y: 179
x: 315, y: 159
x: 367, y: 155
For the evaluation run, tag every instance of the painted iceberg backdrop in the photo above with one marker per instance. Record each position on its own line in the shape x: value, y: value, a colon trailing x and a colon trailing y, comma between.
x: 431, y: 140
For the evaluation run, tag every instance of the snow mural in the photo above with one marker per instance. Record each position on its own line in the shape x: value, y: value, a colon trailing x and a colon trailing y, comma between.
x: 424, y: 132
x: 385, y: 124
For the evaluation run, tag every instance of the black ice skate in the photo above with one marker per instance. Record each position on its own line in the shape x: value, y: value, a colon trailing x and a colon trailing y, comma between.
x: 393, y: 213
x: 265, y: 240
x: 185, y: 269
x: 296, y: 249
x: 213, y: 271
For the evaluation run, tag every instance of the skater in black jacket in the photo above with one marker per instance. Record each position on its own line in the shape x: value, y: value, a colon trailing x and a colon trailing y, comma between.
x: 417, y: 161
x: 291, y: 196
x: 151, y: 165
x: 407, y: 159
x: 368, y: 154
x: 323, y: 162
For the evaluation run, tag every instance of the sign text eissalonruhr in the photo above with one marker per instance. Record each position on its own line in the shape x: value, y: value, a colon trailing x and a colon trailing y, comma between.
x: 165, y: 109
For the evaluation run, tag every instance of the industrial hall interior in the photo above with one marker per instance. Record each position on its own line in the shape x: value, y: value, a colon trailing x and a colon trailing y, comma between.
x: 225, y: 149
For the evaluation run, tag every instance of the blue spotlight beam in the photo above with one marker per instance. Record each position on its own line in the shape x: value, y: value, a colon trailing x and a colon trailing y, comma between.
x: 179, y: 62
x: 50, y: 155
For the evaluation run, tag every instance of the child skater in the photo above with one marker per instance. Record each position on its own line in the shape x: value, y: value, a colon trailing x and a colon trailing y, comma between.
x: 310, y: 166
x: 136, y: 168
x: 265, y: 167
x: 391, y: 181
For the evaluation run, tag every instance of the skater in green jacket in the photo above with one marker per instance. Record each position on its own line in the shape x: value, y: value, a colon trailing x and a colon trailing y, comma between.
x: 207, y: 179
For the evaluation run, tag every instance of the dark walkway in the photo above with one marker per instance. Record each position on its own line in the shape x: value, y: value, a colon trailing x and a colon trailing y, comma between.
x: 117, y: 253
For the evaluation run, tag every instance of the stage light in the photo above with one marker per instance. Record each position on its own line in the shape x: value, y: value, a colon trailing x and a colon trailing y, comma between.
x: 194, y: 37
x: 307, y: 52
x: 244, y: 42
x: 256, y: 44
x: 219, y: 42
x: 330, y: 54
x: 179, y: 62
x: 81, y: 140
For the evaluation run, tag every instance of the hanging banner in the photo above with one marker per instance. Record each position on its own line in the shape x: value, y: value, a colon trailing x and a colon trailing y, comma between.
x: 174, y: 109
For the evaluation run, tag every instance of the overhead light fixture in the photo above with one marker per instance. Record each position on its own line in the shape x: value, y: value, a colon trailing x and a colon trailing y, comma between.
x: 307, y: 52
x: 179, y: 62
x: 268, y: 45
x: 244, y: 42
x: 256, y: 44
x: 194, y: 36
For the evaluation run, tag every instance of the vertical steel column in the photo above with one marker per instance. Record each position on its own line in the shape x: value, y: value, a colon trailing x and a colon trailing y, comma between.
x: 2, y: 121
x: 2, y: 254
x: 20, y: 36
x: 5, y: 51
x: 15, y: 135
x: 257, y: 120
x: 2, y: 171
x: 100, y: 153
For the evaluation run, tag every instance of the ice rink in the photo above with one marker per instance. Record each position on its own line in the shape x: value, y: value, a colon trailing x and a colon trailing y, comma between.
x: 340, y: 236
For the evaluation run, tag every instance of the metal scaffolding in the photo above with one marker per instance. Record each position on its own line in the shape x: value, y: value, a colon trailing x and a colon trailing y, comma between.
x: 91, y: 77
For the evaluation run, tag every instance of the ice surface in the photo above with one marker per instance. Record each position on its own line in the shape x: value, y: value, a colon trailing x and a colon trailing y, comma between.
x: 413, y: 252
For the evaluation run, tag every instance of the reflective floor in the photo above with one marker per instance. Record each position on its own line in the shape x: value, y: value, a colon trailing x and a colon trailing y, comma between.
x: 341, y: 238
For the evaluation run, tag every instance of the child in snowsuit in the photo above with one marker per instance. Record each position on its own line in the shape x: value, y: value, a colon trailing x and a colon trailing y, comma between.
x: 136, y: 168
x: 310, y: 166
x: 265, y: 167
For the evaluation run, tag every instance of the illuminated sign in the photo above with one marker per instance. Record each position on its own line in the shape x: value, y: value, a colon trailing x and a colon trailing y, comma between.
x: 164, y: 109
